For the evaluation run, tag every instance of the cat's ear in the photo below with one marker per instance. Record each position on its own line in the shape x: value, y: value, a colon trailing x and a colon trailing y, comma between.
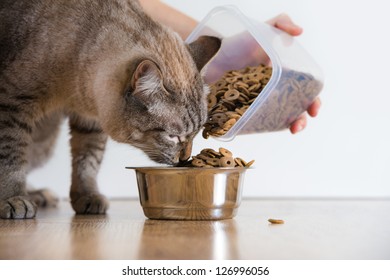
x: 147, y: 75
x: 203, y: 49
x: 146, y: 83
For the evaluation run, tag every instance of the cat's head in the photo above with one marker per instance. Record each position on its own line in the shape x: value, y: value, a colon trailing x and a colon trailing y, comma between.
x: 165, y: 102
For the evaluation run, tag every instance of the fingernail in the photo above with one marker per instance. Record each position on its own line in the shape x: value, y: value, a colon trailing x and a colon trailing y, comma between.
x: 299, y: 128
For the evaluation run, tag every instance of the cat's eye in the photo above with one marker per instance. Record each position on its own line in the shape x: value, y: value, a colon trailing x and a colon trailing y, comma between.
x: 171, y: 137
x: 174, y: 138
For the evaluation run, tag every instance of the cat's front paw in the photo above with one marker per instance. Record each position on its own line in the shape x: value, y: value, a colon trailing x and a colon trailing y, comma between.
x: 18, y: 207
x: 90, y: 204
x: 43, y: 198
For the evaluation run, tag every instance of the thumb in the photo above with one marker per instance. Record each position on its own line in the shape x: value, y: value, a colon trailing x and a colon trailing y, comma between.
x: 284, y: 23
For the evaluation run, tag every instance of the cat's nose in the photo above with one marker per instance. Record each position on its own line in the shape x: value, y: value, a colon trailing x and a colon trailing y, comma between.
x: 185, y: 153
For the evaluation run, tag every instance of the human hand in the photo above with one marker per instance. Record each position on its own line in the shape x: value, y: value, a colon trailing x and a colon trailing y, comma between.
x: 284, y: 23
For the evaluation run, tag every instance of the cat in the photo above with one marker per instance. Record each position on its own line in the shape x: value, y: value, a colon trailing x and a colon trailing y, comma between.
x: 112, y: 71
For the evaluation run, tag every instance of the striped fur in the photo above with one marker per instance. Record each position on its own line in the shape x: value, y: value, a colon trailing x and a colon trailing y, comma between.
x: 108, y: 67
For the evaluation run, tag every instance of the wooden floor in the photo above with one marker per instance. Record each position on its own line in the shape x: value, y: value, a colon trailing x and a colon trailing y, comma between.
x: 313, y: 229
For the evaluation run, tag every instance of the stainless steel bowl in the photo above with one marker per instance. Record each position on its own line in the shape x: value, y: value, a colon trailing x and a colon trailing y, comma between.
x: 179, y: 193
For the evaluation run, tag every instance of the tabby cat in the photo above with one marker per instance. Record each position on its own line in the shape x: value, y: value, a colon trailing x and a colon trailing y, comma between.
x: 109, y: 68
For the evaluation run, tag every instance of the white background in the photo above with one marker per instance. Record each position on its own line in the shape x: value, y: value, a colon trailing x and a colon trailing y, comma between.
x: 344, y: 152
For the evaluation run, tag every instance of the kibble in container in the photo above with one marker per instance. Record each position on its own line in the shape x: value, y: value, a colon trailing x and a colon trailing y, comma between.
x: 261, y: 80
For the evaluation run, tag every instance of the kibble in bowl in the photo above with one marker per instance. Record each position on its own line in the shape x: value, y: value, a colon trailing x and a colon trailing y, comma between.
x: 211, y: 158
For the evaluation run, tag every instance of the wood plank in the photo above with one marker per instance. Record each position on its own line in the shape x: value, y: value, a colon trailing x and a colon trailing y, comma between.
x: 313, y: 229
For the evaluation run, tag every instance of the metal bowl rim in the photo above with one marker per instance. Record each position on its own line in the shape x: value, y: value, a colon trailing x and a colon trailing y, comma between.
x: 185, y: 168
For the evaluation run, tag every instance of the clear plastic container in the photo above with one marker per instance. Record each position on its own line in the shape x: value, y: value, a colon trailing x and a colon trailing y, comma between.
x: 296, y: 79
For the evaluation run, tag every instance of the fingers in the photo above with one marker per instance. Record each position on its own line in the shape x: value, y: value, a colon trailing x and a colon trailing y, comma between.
x: 314, y: 107
x: 299, y: 124
x: 284, y: 22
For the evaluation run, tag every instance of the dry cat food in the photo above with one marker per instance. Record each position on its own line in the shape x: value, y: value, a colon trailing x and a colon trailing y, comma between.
x: 211, y: 158
x: 276, y: 221
x: 232, y: 95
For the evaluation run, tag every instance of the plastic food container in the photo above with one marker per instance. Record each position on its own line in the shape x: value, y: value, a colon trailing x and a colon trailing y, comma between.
x: 295, y: 82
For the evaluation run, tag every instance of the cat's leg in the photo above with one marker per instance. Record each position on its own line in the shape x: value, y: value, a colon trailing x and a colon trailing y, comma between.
x: 15, y: 139
x: 88, y: 143
x: 44, y: 136
x: 42, y: 197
